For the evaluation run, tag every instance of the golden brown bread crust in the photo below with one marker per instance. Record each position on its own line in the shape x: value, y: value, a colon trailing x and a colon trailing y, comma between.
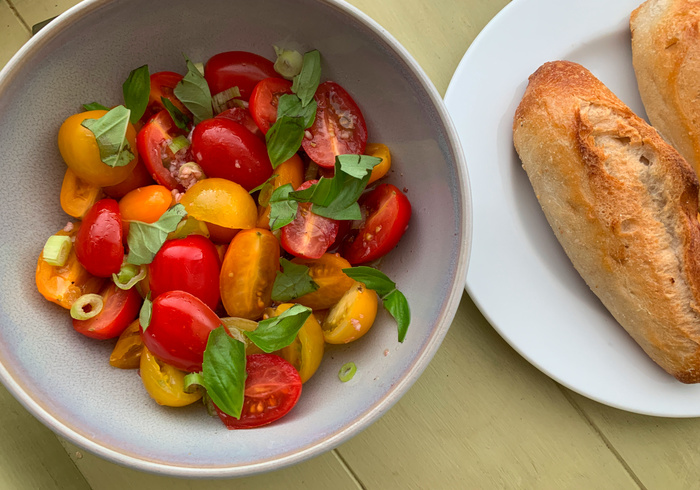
x: 666, y: 58
x: 623, y: 204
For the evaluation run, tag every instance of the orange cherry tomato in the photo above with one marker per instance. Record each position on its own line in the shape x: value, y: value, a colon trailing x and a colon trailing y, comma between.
x: 327, y: 272
x: 306, y: 350
x: 64, y: 285
x: 220, y: 202
x: 248, y: 272
x: 352, y: 316
x: 145, y: 204
x: 289, y: 172
x: 140, y: 177
x: 78, y: 196
x: 127, y: 351
x: 380, y: 151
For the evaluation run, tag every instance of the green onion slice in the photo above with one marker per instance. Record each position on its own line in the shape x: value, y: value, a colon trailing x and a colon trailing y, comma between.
x: 178, y: 143
x: 288, y: 63
x: 57, y: 250
x: 194, y: 382
x: 129, y: 275
x: 86, y: 307
x: 227, y: 99
x: 347, y: 372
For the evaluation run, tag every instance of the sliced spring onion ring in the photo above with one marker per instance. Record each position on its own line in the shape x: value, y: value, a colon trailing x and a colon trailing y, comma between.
x: 178, y: 143
x: 227, y: 99
x: 288, y: 63
x: 57, y: 250
x: 347, y: 372
x: 86, y: 307
x: 129, y: 275
x: 194, y: 382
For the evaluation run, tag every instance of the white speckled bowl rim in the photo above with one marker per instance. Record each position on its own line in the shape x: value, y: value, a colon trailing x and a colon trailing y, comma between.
x: 34, y: 47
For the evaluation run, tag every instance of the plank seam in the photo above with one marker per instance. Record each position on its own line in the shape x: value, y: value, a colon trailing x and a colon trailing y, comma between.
x: 349, y: 470
x: 604, y: 438
x: 18, y: 16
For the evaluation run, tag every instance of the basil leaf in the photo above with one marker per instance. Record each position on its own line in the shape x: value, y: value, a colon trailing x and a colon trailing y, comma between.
x: 180, y: 119
x: 282, y: 209
x: 284, y: 139
x: 145, y: 239
x: 136, y: 90
x: 290, y: 105
x: 397, y: 304
x: 194, y: 93
x: 146, y: 312
x: 372, y: 278
x: 224, y: 372
x: 95, y: 106
x: 358, y: 165
x: 278, y: 332
x: 110, y: 133
x: 350, y: 213
x: 306, y: 82
x: 293, y: 282
x: 260, y: 187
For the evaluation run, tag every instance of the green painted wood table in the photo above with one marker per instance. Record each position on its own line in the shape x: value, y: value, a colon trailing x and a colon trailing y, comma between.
x: 479, y: 417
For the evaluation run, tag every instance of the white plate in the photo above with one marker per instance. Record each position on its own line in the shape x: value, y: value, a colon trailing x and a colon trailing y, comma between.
x: 519, y: 276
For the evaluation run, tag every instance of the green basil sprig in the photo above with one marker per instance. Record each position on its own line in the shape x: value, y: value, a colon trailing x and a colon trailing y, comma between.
x: 95, y: 106
x: 110, y: 133
x: 136, y: 90
x: 394, y: 300
x: 146, y: 312
x: 145, y: 239
x: 293, y: 282
x: 278, y: 332
x: 306, y: 82
x: 224, y: 373
x: 193, y: 91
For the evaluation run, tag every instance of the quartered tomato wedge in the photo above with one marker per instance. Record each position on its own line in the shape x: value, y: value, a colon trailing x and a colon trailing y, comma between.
x: 264, y: 100
x: 272, y: 388
x: 120, y: 308
x: 352, y: 316
x: 237, y: 69
x: 77, y: 195
x: 339, y: 127
x: 152, y: 142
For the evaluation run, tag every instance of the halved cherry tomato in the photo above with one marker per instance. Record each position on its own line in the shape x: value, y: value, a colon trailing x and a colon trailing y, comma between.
x: 162, y: 85
x: 237, y: 69
x: 138, y: 178
x: 272, y: 388
x: 63, y: 285
x: 339, y: 127
x: 387, y: 212
x: 309, y: 235
x: 79, y: 150
x: 165, y: 383
x: 228, y: 150
x: 306, y: 350
x: 380, y: 151
x: 288, y: 172
x: 145, y: 204
x: 78, y: 196
x: 242, y: 116
x: 327, y: 272
x: 187, y: 264
x: 179, y: 329
x: 352, y: 316
x: 98, y: 243
x: 127, y: 351
x: 264, y: 100
x: 248, y: 272
x: 152, y: 142
x: 119, y: 310
x: 221, y: 202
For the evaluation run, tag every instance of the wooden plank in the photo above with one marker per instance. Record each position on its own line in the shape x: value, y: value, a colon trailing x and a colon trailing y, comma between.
x: 35, y: 11
x: 482, y: 417
x: 14, y: 34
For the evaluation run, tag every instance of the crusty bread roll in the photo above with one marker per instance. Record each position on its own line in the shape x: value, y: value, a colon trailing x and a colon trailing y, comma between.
x: 623, y: 204
x: 666, y: 58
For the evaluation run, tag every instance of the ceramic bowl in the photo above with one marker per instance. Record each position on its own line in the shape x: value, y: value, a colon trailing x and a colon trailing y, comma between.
x: 65, y: 380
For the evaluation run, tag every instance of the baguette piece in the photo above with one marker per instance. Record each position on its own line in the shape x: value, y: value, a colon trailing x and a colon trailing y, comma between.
x: 666, y: 59
x: 623, y: 204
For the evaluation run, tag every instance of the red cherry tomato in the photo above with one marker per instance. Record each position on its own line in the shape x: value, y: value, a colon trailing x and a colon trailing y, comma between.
x: 119, y: 309
x: 387, y: 213
x: 339, y: 127
x: 272, y: 388
x: 152, y: 144
x: 162, y: 85
x: 242, y: 116
x: 228, y: 150
x: 98, y: 244
x: 264, y: 100
x: 309, y: 235
x: 237, y: 69
x: 187, y: 264
x: 179, y: 329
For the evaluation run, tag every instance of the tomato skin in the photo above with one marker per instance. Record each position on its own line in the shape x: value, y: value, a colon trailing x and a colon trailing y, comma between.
x: 272, y: 388
x: 339, y: 127
x: 264, y: 100
x: 120, y: 308
x: 387, y: 212
x: 152, y: 141
x: 228, y: 150
x: 237, y: 69
x: 179, y: 330
x: 146, y: 204
x: 98, y: 243
x: 242, y: 116
x: 187, y: 264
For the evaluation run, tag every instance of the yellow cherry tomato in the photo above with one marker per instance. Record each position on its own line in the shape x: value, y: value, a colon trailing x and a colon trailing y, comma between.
x: 380, y: 151
x: 306, y: 351
x: 127, y: 351
x: 248, y: 272
x: 145, y: 204
x: 327, y: 272
x: 289, y: 172
x: 221, y: 202
x: 164, y: 383
x: 352, y: 316
x: 79, y: 150
x: 78, y: 196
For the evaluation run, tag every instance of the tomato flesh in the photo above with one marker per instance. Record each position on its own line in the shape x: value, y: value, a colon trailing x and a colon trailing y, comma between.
x: 237, y: 69
x: 264, y: 100
x: 120, y: 308
x: 272, y: 388
x: 98, y: 244
x: 152, y: 143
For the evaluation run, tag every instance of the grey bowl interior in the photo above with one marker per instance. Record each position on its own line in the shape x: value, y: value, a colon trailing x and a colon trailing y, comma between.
x: 65, y: 379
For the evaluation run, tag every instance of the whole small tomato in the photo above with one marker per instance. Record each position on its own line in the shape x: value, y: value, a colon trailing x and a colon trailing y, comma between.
x: 98, y: 243
x: 187, y: 264
x: 145, y: 204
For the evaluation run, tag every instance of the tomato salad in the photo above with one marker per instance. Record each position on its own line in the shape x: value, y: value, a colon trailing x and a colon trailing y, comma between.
x: 224, y: 222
